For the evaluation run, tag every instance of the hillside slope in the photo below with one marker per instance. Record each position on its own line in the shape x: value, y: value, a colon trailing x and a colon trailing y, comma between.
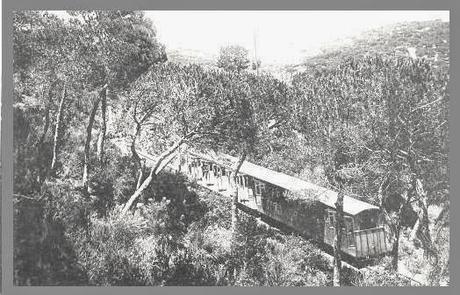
x: 427, y: 39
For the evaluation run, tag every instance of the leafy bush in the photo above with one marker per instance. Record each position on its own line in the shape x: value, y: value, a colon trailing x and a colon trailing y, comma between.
x: 139, y: 249
x: 261, y: 256
x: 43, y: 252
x: 294, y: 263
x: 383, y: 276
x: 107, y: 253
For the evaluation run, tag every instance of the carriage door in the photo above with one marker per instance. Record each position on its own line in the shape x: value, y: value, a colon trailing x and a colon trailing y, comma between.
x: 349, y: 232
x: 329, y: 227
x: 205, y: 167
x: 258, y: 190
x: 219, y: 178
x: 198, y: 169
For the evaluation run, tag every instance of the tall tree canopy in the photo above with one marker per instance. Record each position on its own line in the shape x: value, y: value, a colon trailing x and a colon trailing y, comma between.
x: 233, y: 58
x: 393, y: 113
x: 71, y: 67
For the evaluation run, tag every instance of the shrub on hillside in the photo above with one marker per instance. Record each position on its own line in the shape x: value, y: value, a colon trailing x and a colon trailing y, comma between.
x: 140, y: 249
x: 44, y: 232
x: 382, y: 276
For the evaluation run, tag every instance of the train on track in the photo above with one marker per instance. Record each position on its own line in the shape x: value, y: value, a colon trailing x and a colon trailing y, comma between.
x: 270, y: 194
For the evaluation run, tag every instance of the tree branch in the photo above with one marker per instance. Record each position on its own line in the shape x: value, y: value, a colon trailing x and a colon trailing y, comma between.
x: 162, y: 160
x: 427, y: 104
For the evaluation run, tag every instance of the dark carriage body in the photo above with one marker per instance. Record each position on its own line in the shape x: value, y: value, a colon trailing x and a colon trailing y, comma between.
x: 302, y: 206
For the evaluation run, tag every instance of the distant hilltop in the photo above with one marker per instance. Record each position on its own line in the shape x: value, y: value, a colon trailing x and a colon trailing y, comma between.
x: 424, y: 39
x: 420, y: 39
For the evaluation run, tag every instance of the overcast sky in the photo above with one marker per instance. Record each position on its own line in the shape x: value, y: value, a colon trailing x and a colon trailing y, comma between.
x: 283, y: 37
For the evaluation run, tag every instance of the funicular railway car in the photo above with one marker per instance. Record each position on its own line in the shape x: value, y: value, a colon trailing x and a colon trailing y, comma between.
x: 270, y: 193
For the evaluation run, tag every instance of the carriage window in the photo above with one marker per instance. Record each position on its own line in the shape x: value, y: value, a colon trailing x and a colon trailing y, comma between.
x: 331, y: 217
x: 349, y: 224
x: 278, y: 208
x: 205, y: 167
x: 372, y: 220
x: 278, y: 193
x: 259, y: 186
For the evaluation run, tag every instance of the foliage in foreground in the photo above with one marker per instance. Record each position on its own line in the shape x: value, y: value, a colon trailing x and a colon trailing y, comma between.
x: 159, y: 244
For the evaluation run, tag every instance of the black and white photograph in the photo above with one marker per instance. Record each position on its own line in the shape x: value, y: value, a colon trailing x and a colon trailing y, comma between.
x: 241, y: 148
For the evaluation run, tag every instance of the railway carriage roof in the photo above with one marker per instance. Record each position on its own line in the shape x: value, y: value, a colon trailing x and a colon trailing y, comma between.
x: 326, y: 196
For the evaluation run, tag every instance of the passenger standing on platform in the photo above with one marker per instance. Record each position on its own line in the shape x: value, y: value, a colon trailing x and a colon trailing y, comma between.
x: 205, y: 169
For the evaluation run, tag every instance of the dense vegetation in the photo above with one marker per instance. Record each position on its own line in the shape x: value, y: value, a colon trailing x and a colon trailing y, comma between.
x: 427, y: 39
x: 86, y: 213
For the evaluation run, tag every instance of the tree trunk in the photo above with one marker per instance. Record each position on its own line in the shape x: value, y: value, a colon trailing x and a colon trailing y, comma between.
x: 443, y: 217
x: 421, y: 230
x: 101, y: 138
x: 140, y: 178
x: 398, y: 226
x: 337, y: 275
x: 47, y: 115
x: 139, y: 191
x: 141, y: 166
x: 89, y: 130
x: 415, y: 230
x: 159, y: 165
x: 395, y: 249
x: 46, y: 127
x: 136, y: 157
x: 58, y: 127
x: 234, y: 229
x: 43, y: 166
